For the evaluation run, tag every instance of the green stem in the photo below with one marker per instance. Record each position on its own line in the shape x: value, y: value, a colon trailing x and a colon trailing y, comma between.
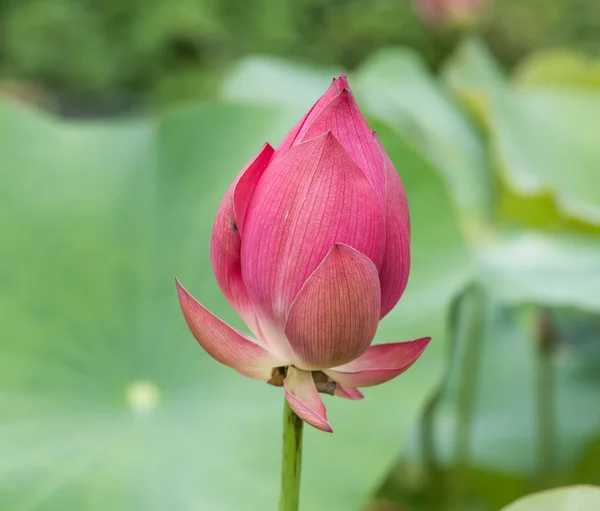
x: 469, y: 332
x: 435, y: 476
x: 291, y: 461
x: 546, y: 413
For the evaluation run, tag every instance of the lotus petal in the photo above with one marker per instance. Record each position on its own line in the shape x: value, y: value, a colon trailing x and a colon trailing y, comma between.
x: 348, y: 392
x: 343, y: 118
x: 296, y: 135
x: 379, y: 363
x: 303, y: 396
x: 225, y: 344
x: 335, y: 315
x: 309, y: 198
x: 226, y: 240
x: 396, y: 262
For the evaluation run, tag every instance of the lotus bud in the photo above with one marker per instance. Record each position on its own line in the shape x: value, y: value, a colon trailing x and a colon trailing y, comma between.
x: 442, y: 14
x: 311, y: 247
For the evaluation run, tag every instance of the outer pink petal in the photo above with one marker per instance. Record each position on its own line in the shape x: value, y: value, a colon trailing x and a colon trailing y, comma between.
x: 309, y: 198
x: 246, y: 182
x: 335, y: 315
x: 379, y: 363
x: 303, y: 396
x: 348, y: 392
x: 396, y: 263
x: 296, y: 134
x: 223, y: 343
x: 226, y: 240
x: 343, y: 118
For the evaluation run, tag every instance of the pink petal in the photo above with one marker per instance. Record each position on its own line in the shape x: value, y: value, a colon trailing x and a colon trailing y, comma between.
x: 295, y: 135
x: 343, y: 118
x: 348, y: 392
x: 379, y: 363
x: 223, y: 343
x: 308, y: 199
x: 396, y: 262
x: 226, y: 240
x: 335, y: 315
x: 303, y: 396
x: 341, y: 82
x: 246, y: 182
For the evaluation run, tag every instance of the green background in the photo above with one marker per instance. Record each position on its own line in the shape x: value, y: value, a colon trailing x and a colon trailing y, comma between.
x: 106, y: 401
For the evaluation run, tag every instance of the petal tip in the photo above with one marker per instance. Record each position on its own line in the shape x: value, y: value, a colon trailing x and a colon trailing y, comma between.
x: 326, y: 142
x: 342, y: 82
x: 351, y: 393
x: 303, y: 397
x: 306, y: 413
x: 326, y: 427
x: 379, y: 364
x: 181, y: 291
x: 424, y: 341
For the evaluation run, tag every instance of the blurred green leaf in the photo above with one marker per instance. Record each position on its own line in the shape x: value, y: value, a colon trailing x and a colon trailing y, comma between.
x: 106, y: 401
x: 543, y: 139
x: 537, y: 267
x: 504, y: 456
x: 587, y: 468
x: 547, y: 140
x: 271, y: 81
x: 396, y: 87
x: 559, y: 67
x: 575, y: 498
x: 474, y: 76
x: 505, y: 435
x: 473, y: 67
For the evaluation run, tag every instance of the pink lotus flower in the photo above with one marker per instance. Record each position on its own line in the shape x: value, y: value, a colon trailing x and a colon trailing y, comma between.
x: 446, y: 13
x: 311, y: 247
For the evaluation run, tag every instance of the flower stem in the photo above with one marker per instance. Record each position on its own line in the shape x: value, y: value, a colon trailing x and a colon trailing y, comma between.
x: 469, y: 331
x: 291, y: 461
x: 546, y: 407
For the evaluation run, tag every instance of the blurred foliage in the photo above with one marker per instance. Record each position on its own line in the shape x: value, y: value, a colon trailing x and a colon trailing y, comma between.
x: 179, y: 49
x: 96, y: 366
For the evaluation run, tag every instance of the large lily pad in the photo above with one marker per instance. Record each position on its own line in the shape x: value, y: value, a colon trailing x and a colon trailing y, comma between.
x: 106, y: 401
